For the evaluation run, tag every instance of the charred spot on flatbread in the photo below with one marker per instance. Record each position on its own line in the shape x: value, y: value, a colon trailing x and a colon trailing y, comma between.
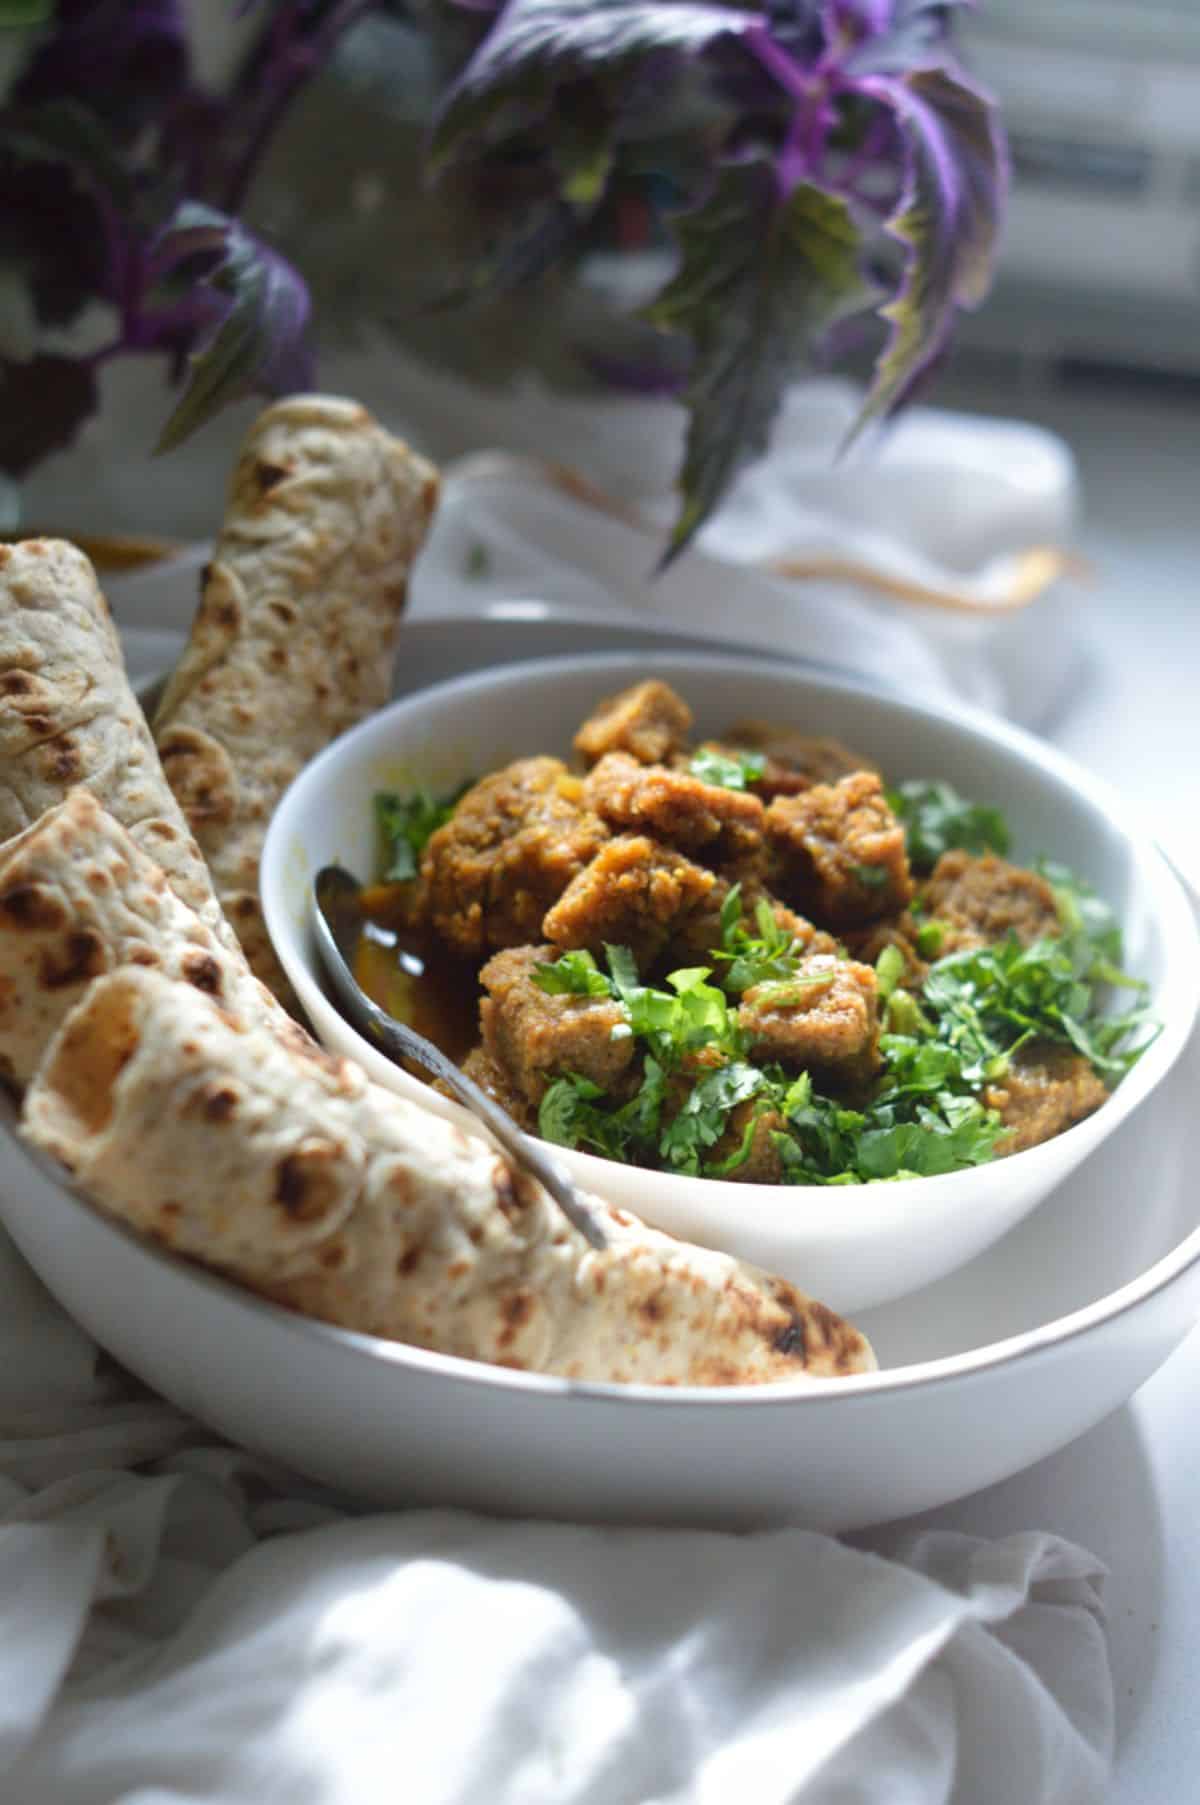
x: 842, y: 1342
x: 201, y: 774
x: 655, y: 1307
x: 202, y: 970
x: 221, y: 1103
x: 80, y: 956
x: 33, y: 907
x: 790, y: 1340
x: 308, y: 1183
x: 61, y: 759
x: 268, y: 476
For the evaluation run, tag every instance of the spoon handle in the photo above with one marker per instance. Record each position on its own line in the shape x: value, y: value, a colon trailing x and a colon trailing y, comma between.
x: 401, y: 1042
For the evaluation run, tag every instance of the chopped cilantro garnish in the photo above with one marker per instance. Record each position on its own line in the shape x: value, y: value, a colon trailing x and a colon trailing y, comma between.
x: 772, y: 954
x: 572, y: 974
x: 930, y: 937
x: 889, y: 969
x: 935, y: 818
x: 406, y: 822
x: 731, y: 771
x: 940, y: 1049
x: 700, y: 1123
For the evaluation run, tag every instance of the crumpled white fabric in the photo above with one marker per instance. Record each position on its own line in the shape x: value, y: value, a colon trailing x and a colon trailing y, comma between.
x: 184, y: 1624
x: 211, y: 1629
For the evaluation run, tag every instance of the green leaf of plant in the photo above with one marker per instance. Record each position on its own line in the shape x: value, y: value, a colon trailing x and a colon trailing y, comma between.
x: 61, y: 131
x: 259, y: 344
x: 17, y: 15
x: 538, y: 46
x: 948, y: 219
x: 761, y: 278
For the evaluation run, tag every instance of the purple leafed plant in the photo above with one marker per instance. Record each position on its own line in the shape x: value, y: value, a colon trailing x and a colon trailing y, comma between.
x: 809, y: 160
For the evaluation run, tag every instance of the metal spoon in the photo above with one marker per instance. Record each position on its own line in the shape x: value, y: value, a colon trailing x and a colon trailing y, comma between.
x: 337, y: 920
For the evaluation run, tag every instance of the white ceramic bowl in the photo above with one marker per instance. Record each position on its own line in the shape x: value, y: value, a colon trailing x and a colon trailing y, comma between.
x: 854, y: 1248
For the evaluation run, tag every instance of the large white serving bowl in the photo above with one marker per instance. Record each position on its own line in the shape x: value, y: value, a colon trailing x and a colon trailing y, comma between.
x: 1001, y: 1363
x: 852, y: 1247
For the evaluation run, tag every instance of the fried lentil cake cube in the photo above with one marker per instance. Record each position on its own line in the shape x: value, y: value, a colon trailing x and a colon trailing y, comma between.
x: 1046, y: 1089
x: 649, y: 721
x: 637, y: 893
x: 534, y: 1036
x: 838, y: 853
x: 720, y: 825
x: 979, y: 901
x: 513, y: 844
x: 826, y: 1019
x: 498, y: 1085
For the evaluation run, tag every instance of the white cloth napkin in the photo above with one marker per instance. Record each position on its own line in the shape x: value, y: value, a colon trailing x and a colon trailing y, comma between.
x: 182, y: 1622
x: 208, y: 1628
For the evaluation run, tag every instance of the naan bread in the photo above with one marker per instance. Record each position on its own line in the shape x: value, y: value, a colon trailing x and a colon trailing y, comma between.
x: 69, y: 717
x: 325, y: 1193
x: 79, y: 898
x: 295, y: 635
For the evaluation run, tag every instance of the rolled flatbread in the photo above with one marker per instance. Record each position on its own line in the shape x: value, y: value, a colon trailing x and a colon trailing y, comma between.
x: 325, y: 1193
x: 79, y: 898
x: 295, y: 636
x: 68, y: 717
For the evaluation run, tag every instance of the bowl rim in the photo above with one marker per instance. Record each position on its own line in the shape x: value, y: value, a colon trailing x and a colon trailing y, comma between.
x: 1168, y: 891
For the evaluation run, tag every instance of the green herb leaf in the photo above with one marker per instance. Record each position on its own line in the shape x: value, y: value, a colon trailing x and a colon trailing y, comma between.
x: 936, y: 818
x: 730, y: 771
x: 889, y: 969
x: 406, y: 822
x: 1081, y: 912
x: 572, y: 974
x: 931, y: 936
x: 576, y: 1113
x: 722, y: 1168
x: 563, y: 1113
x: 927, y: 1147
x: 701, y: 1121
x: 769, y: 956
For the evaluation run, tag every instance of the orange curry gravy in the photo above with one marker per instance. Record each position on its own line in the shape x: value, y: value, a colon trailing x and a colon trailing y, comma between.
x: 413, y: 977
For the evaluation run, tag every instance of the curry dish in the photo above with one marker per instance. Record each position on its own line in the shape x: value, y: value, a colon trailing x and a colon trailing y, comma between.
x: 748, y: 957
